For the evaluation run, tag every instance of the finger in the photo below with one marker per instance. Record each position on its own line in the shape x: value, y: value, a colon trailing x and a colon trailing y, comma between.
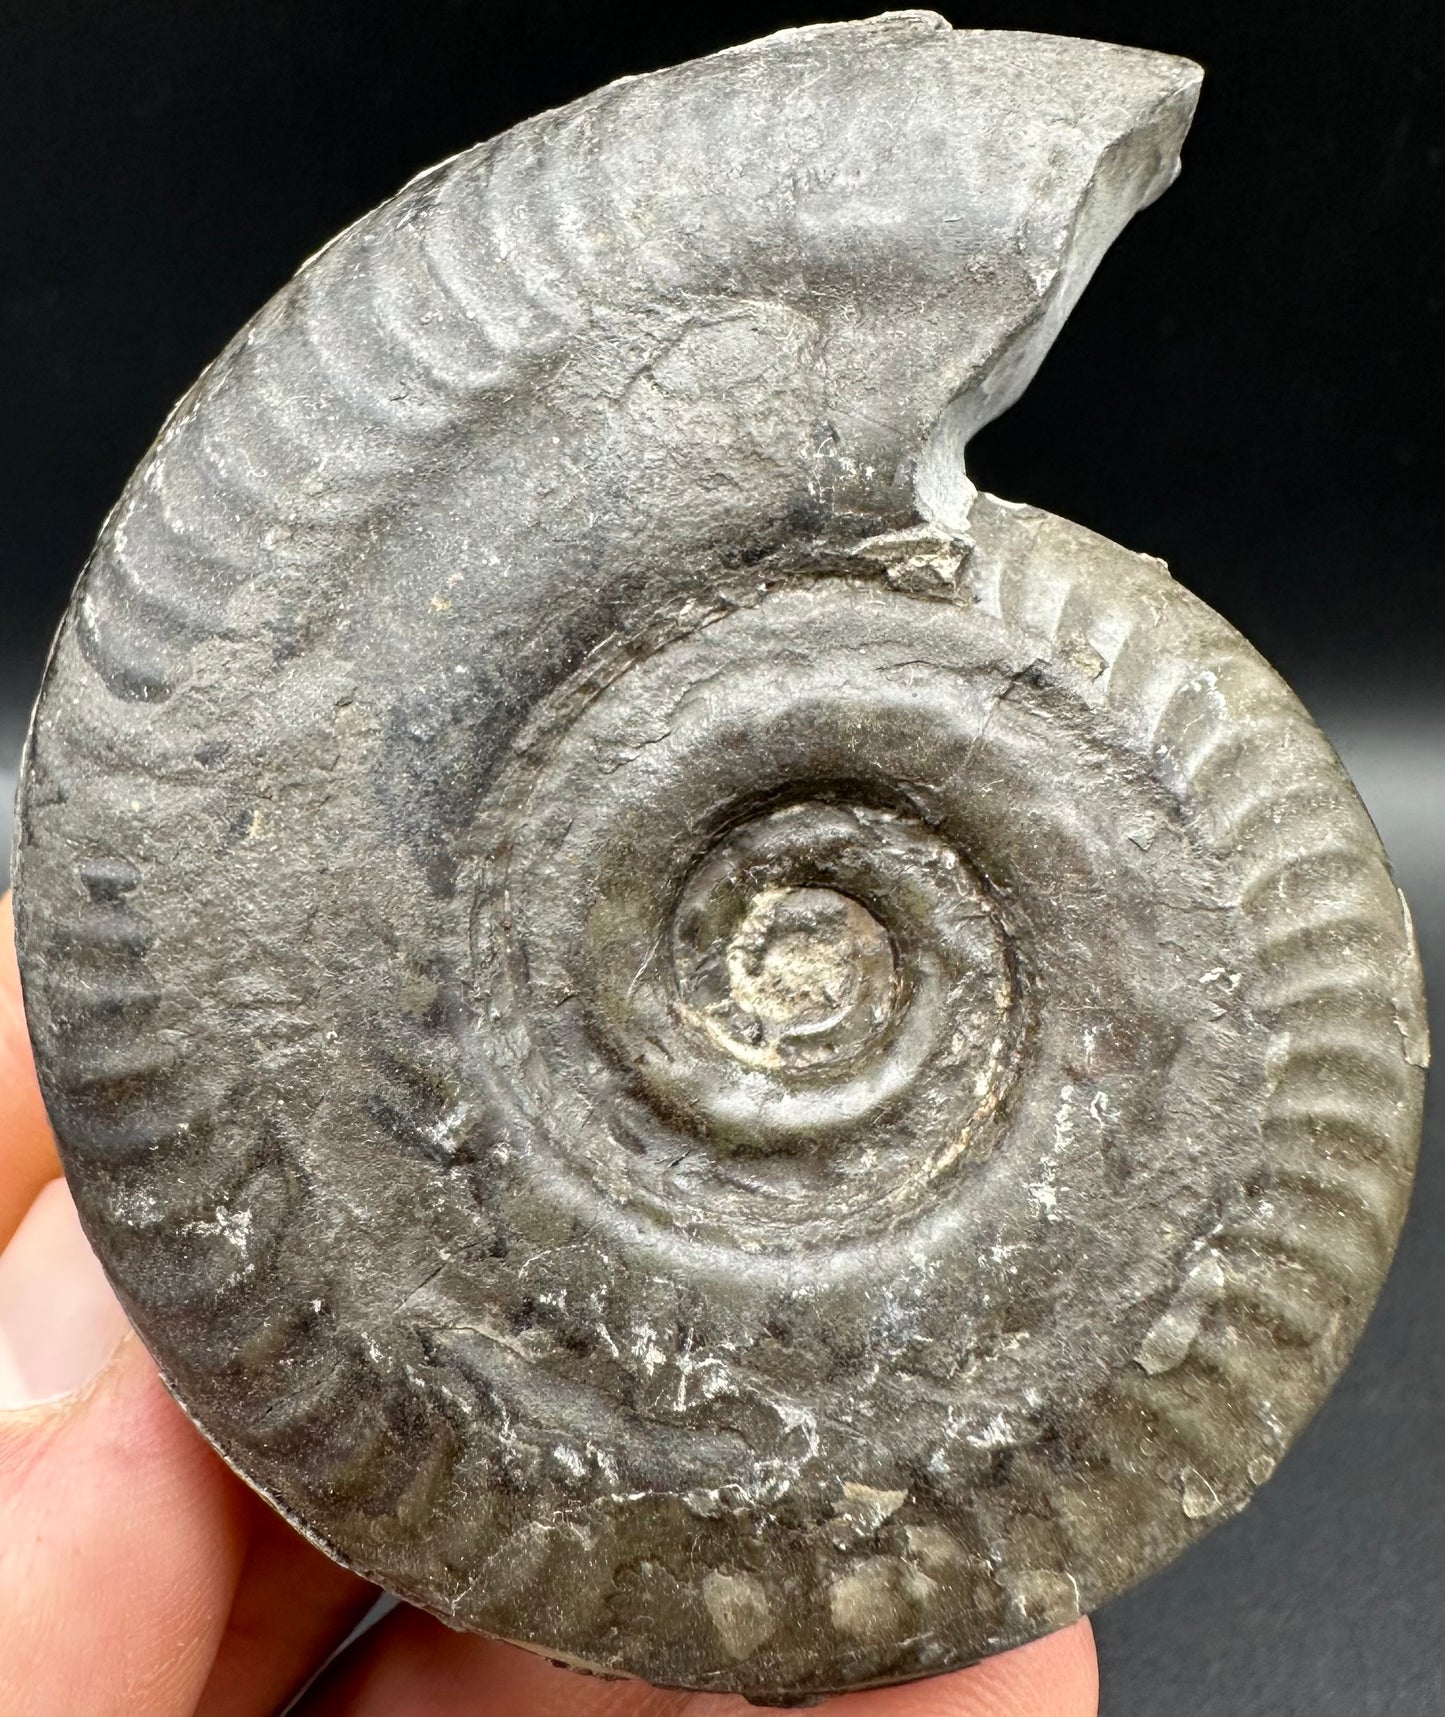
x: 121, y: 1534
x: 27, y: 1150
x: 293, y: 1607
x: 411, y: 1666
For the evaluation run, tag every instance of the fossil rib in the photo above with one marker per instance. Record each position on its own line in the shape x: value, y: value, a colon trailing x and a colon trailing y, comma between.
x: 788, y: 291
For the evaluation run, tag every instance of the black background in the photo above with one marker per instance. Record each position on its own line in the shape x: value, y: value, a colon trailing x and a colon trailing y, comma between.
x: 1250, y: 389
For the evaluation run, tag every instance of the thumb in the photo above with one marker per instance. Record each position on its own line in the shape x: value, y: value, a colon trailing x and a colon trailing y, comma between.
x: 27, y: 1151
x: 120, y: 1534
x: 59, y: 1322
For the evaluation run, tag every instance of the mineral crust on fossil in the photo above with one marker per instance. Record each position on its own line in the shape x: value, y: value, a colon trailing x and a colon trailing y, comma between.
x: 692, y: 1044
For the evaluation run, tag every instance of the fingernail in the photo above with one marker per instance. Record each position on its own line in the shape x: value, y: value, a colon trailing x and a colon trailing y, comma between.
x: 59, y: 1321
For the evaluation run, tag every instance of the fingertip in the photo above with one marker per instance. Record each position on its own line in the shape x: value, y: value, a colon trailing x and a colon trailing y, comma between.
x: 1056, y: 1676
x: 27, y: 1146
x: 59, y: 1321
x: 121, y: 1533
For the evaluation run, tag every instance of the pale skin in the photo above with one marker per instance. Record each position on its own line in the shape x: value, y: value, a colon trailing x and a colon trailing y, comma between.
x: 140, y: 1578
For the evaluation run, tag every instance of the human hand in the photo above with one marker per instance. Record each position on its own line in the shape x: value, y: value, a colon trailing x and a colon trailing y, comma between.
x: 140, y: 1578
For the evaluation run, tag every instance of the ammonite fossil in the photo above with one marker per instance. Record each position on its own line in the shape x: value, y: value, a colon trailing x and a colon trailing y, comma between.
x: 692, y: 1044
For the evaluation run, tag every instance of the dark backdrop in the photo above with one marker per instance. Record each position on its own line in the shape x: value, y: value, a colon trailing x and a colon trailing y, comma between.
x: 1250, y: 390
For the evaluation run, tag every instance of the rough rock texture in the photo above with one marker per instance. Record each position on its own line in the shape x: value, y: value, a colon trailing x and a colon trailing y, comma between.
x: 691, y: 1044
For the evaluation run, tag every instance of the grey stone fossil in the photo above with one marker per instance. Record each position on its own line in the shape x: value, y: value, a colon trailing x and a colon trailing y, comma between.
x: 691, y: 1043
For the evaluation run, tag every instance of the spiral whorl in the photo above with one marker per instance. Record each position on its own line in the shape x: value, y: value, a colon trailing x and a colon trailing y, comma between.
x: 788, y: 302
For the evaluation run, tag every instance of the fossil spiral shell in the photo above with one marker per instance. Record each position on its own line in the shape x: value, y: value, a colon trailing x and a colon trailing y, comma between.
x: 693, y: 1045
